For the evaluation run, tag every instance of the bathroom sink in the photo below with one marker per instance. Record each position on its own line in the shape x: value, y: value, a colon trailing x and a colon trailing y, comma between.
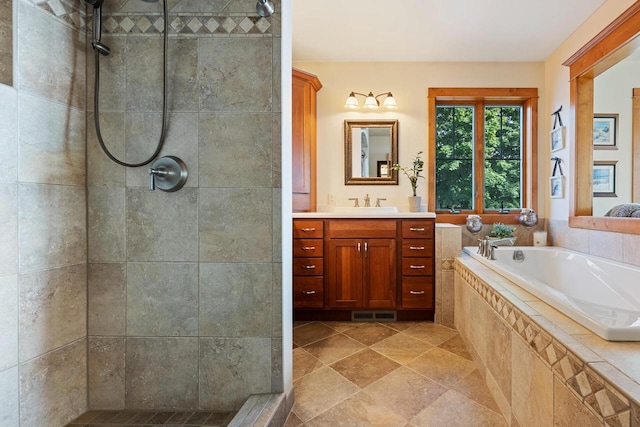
x: 366, y: 211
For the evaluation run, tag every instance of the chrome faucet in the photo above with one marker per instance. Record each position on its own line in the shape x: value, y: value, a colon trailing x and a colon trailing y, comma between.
x: 367, y: 201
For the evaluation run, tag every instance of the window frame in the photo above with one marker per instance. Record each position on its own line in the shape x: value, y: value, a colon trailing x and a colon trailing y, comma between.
x: 479, y: 97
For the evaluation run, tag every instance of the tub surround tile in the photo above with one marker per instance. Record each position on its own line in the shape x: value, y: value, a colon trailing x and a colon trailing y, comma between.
x: 53, y: 387
x: 232, y: 369
x: 605, y: 244
x: 623, y: 355
x: 162, y: 373
x: 631, y: 249
x: 52, y: 142
x: 52, y: 306
x: 9, y: 229
x: 230, y: 141
x: 228, y: 292
x: 568, y: 409
x: 9, y: 397
x: 474, y: 387
x: 106, y: 373
x: 235, y: 225
x: 162, y: 299
x: 106, y: 224
x: 52, y: 226
x: 153, y: 233
x: 8, y: 322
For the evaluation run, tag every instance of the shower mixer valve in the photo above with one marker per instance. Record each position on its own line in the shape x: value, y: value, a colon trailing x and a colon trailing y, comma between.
x: 167, y: 173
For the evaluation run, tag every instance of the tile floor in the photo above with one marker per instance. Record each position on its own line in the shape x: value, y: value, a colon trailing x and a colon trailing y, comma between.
x: 152, y: 419
x: 412, y: 374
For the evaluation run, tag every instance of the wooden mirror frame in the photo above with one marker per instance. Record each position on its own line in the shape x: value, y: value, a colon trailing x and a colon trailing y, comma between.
x: 610, y: 46
x: 349, y: 179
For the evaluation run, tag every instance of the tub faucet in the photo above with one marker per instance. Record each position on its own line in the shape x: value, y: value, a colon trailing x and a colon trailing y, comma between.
x: 483, y: 246
x: 492, y: 252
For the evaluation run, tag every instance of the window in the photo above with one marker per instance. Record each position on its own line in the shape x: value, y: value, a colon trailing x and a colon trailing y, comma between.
x: 481, y: 142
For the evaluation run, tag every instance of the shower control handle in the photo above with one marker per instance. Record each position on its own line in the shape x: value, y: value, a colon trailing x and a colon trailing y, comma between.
x: 152, y: 174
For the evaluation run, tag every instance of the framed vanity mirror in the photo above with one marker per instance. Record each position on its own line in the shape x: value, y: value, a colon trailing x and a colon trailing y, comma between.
x: 615, y: 47
x: 370, y: 149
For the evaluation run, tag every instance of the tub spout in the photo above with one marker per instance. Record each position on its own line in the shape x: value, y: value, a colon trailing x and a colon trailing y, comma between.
x: 492, y: 252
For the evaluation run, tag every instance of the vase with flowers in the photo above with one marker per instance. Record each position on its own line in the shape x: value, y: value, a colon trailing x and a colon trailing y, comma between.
x: 413, y: 173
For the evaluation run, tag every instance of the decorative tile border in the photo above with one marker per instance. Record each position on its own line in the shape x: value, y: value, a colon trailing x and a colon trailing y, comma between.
x: 607, y: 403
x: 447, y: 264
x: 197, y: 24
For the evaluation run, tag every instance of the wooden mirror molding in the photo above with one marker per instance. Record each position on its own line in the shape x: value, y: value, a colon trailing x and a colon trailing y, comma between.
x: 610, y: 46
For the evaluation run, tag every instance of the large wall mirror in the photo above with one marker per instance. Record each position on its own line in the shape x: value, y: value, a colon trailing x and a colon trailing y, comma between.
x: 370, y: 149
x: 598, y: 83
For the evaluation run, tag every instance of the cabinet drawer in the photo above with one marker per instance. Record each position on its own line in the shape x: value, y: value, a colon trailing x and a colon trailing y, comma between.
x: 417, y: 266
x: 417, y: 229
x: 308, y: 292
x: 417, y: 248
x: 308, y: 229
x: 417, y: 292
x: 308, y: 266
x: 362, y: 228
x: 307, y: 248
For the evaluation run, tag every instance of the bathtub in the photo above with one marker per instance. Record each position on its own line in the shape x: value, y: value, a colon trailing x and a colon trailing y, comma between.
x: 601, y: 295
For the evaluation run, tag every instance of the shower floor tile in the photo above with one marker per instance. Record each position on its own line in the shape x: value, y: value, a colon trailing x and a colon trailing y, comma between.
x: 152, y: 418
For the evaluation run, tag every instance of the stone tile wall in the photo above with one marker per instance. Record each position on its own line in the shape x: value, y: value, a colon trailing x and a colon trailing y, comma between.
x: 6, y: 43
x: 43, y: 269
x: 448, y: 245
x: 185, y: 287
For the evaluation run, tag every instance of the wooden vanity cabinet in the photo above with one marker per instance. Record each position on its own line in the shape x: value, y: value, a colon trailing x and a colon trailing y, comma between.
x: 418, y: 259
x: 361, y: 264
x: 308, y: 264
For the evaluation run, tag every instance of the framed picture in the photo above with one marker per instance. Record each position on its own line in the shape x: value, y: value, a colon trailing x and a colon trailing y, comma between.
x: 383, y: 169
x: 604, y: 179
x: 557, y: 139
x: 557, y: 187
x: 605, y: 131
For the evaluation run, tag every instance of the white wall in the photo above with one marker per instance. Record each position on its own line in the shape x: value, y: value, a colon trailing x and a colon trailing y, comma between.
x: 409, y: 83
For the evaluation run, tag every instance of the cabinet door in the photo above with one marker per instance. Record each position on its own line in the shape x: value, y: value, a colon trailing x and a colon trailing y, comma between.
x: 380, y: 273
x: 344, y: 284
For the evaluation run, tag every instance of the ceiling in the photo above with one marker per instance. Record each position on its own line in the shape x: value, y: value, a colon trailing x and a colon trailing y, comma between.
x: 434, y: 30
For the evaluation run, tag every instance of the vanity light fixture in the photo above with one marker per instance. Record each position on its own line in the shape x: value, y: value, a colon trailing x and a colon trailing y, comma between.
x: 371, y: 102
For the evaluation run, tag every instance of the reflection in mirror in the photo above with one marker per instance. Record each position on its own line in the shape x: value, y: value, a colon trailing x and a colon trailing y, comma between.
x: 612, y: 133
x: 370, y: 148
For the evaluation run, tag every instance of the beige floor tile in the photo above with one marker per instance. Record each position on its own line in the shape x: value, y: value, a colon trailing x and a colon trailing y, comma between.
x: 334, y: 348
x: 341, y: 326
x: 304, y: 363
x: 456, y: 346
x: 474, y: 387
x: 311, y: 332
x: 442, y: 366
x: 453, y: 409
x: 401, y: 326
x: 360, y: 410
x: 319, y: 391
x: 293, y: 420
x: 401, y: 347
x: 365, y: 367
x: 370, y: 333
x: 431, y: 333
x: 404, y: 392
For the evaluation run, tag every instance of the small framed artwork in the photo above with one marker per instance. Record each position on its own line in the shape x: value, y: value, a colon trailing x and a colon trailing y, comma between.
x: 557, y: 187
x: 557, y: 139
x: 383, y: 169
x: 605, y: 131
x: 604, y: 179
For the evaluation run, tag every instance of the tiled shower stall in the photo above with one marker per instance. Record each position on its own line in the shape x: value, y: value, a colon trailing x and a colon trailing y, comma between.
x: 113, y: 296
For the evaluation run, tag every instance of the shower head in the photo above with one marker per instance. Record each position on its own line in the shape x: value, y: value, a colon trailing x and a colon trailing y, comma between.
x: 265, y: 8
x: 102, y: 48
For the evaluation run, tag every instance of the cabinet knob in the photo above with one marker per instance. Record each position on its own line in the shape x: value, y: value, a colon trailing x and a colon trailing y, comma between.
x: 417, y: 267
x: 309, y: 292
x: 416, y: 228
x: 416, y: 292
x: 309, y: 267
x: 416, y: 248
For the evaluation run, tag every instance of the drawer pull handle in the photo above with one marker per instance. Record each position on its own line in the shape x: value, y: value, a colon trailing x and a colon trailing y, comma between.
x: 309, y: 292
x: 416, y: 292
x: 309, y: 267
x: 416, y: 228
x: 309, y: 229
x: 308, y: 248
x: 416, y: 248
x: 417, y: 267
